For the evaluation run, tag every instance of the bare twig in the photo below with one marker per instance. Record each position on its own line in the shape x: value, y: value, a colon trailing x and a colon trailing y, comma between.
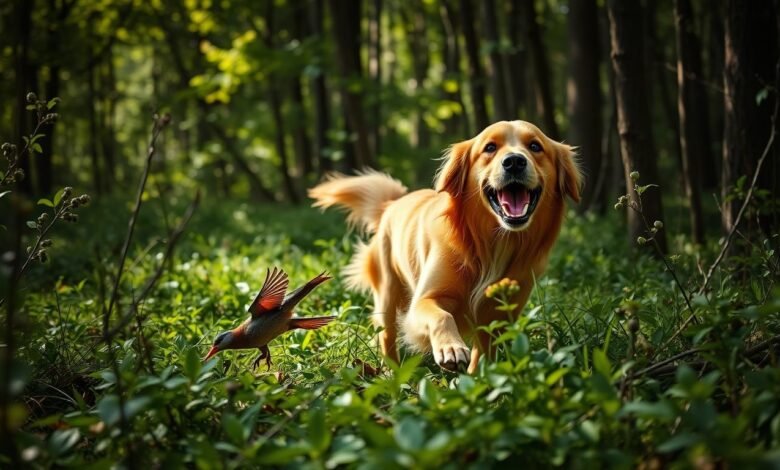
x: 159, y: 125
x: 170, y: 244
x: 727, y: 244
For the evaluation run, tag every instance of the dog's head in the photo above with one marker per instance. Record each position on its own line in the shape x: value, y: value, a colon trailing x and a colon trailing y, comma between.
x: 514, y: 169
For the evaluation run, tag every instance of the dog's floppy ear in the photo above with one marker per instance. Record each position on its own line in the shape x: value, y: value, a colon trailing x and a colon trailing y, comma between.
x: 452, y: 175
x: 569, y: 175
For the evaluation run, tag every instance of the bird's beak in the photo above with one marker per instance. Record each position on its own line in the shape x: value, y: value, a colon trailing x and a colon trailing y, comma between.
x: 212, y: 351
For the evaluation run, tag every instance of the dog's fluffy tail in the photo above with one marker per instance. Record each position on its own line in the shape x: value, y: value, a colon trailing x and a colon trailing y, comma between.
x: 365, y: 196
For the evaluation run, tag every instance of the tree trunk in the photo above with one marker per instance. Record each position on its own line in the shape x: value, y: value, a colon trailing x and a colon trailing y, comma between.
x: 452, y: 72
x: 517, y: 59
x: 476, y: 77
x: 501, y: 96
x: 320, y: 95
x: 301, y: 141
x: 24, y: 80
x: 346, y: 17
x: 94, y: 152
x: 691, y: 148
x: 413, y: 15
x: 107, y: 129
x: 583, y: 92
x: 542, y: 74
x: 634, y: 122
x: 711, y: 172
x: 375, y: 72
x: 750, y: 57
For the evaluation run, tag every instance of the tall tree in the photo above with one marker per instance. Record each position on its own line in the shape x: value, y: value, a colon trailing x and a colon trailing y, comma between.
x: 516, y: 73
x: 346, y: 16
x: 691, y: 146
x: 275, y: 102
x: 634, y: 122
x: 476, y: 76
x: 583, y: 92
x: 413, y: 15
x: 542, y: 74
x: 499, y: 91
x: 751, y: 54
x: 25, y: 74
x: 452, y: 73
x: 320, y: 92
x: 301, y: 141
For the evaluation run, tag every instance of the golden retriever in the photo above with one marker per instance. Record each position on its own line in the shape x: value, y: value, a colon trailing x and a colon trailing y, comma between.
x: 496, y: 211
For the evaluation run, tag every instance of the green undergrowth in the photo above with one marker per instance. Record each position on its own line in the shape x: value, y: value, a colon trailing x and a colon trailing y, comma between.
x: 564, y: 390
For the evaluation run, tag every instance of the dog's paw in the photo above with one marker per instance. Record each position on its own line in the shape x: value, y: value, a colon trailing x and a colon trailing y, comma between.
x: 452, y: 355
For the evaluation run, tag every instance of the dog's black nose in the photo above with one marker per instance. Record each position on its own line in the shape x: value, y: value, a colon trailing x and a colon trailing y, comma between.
x: 514, y: 163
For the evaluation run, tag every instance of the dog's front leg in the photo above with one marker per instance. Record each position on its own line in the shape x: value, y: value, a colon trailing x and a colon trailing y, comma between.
x: 449, y: 349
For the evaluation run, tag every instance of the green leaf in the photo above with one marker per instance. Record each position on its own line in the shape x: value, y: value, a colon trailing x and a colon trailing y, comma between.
x: 601, y: 362
x: 5, y: 193
x: 681, y: 441
x: 192, y: 364
x: 409, y: 433
x: 762, y: 95
x: 58, y: 196
x: 233, y: 428
x: 52, y: 102
x: 45, y: 202
x: 36, y: 147
x: 319, y: 435
x: 108, y: 409
x: 429, y: 394
x: 520, y: 345
x: 32, y: 224
x: 61, y: 441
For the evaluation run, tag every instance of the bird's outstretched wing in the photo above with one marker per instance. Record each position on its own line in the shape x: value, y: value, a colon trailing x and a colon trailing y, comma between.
x: 271, y: 294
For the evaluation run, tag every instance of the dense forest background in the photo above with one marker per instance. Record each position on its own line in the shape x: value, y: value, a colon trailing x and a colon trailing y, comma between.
x: 651, y: 341
x: 267, y: 96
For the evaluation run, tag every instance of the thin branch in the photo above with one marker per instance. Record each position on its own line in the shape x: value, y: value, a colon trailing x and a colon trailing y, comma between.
x: 170, y: 245
x: 746, y: 202
x: 159, y: 125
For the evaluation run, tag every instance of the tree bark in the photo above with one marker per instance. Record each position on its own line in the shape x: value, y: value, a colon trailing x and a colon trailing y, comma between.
x: 275, y: 102
x: 634, y: 122
x: 301, y: 141
x: 375, y: 72
x: 346, y: 17
x: 583, y: 92
x: 499, y: 89
x: 24, y: 77
x: 476, y: 76
x: 750, y: 57
x: 413, y: 15
x: 542, y: 74
x: 320, y: 96
x: 691, y: 147
x: 452, y: 72
x: 515, y: 70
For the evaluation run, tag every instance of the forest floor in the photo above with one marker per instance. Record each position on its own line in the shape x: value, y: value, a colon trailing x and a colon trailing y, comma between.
x: 563, y: 391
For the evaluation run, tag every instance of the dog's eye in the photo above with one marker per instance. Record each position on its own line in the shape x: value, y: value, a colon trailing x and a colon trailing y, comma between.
x: 490, y: 148
x: 535, y: 147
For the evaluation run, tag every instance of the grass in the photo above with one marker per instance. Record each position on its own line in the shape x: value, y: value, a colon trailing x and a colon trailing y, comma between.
x: 561, y: 391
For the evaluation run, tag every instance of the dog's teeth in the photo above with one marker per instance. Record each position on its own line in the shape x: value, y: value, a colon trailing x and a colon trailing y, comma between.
x: 524, y: 210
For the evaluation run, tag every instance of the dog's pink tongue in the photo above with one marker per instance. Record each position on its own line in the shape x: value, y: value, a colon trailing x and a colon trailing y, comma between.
x: 514, y: 203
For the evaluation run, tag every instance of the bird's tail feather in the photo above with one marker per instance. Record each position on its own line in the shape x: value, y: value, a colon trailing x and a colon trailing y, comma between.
x: 310, y: 323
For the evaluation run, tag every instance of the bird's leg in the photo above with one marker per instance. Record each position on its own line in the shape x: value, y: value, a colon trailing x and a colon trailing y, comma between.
x: 267, y: 354
x: 264, y: 353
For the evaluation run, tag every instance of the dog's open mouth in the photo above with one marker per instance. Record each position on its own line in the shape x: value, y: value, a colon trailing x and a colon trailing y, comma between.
x: 514, y: 203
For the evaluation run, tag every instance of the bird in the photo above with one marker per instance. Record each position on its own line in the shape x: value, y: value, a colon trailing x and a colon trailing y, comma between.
x: 270, y: 315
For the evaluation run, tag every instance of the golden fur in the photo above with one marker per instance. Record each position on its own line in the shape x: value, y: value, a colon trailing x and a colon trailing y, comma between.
x: 433, y: 252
